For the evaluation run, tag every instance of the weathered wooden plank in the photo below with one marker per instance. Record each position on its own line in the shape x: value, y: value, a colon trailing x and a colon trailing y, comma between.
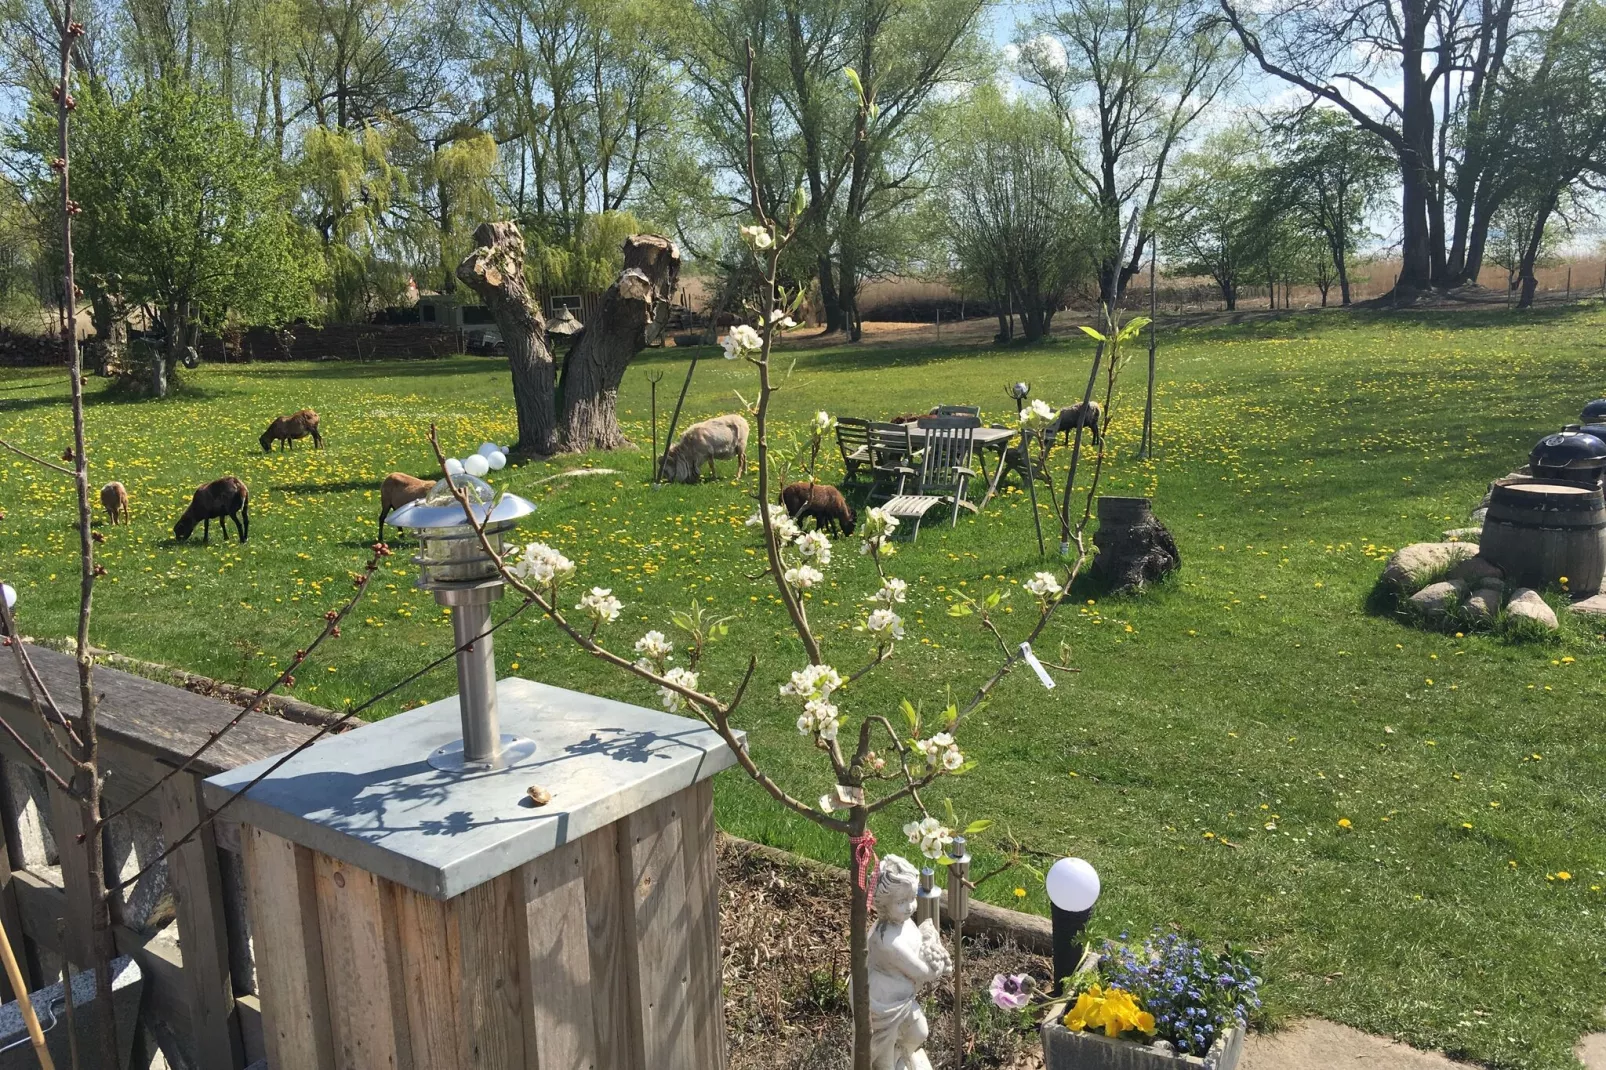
x: 430, y: 961
x: 560, y: 1027
x: 8, y: 895
x: 248, y: 1012
x: 67, y: 824
x: 282, y: 902
x: 368, y: 1034
x: 155, y: 719
x: 492, y: 1008
x: 192, y: 871
x: 607, y: 904
x: 705, y: 1005
x: 653, y: 872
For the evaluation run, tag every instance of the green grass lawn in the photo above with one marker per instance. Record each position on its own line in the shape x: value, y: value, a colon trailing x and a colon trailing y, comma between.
x: 1386, y: 814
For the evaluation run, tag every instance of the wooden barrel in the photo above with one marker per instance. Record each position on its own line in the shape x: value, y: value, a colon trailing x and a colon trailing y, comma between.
x: 1538, y: 531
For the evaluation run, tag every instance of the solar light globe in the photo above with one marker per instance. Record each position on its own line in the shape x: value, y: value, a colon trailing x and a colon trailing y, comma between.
x: 1019, y: 391
x: 9, y: 593
x: 1073, y: 884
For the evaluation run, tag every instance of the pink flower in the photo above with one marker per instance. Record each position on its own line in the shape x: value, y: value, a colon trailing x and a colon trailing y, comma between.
x: 1011, y: 992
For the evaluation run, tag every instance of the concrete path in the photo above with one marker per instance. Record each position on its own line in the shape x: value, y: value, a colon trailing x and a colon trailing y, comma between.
x: 1315, y: 1044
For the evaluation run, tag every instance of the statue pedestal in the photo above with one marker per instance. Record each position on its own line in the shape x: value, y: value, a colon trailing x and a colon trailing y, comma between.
x: 407, y: 918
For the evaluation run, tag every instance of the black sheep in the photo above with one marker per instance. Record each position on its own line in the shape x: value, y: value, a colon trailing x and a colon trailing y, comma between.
x: 218, y: 500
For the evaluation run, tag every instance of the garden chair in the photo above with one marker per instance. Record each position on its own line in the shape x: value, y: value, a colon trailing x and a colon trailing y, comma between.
x: 944, y: 475
x: 853, y: 440
x: 1014, y: 461
x: 890, y: 460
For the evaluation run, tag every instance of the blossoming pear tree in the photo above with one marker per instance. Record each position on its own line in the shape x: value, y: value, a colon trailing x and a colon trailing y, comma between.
x: 876, y: 760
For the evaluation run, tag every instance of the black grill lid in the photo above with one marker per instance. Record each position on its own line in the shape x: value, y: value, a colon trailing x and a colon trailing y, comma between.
x: 1569, y: 449
x: 1595, y: 411
x: 1598, y: 430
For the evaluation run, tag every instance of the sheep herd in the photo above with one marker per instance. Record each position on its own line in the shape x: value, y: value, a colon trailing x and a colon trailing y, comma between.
x: 229, y: 498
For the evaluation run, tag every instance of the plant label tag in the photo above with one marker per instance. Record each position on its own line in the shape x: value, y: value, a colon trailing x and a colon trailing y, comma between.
x: 1037, y: 666
x: 849, y: 796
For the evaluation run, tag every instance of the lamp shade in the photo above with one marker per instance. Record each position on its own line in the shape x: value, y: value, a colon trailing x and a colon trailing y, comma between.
x: 1073, y: 884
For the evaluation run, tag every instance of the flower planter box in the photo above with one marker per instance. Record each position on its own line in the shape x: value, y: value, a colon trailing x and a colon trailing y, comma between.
x: 1065, y: 1050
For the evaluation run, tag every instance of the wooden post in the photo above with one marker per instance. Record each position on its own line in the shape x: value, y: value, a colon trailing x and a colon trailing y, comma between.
x: 1154, y: 310
x: 24, y: 1004
x: 197, y: 883
x: 669, y: 436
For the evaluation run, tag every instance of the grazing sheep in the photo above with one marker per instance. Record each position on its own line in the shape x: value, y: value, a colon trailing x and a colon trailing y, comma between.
x: 218, y: 500
x: 825, y: 504
x: 912, y: 417
x: 397, y: 490
x: 718, y: 439
x: 114, y: 496
x: 286, y: 429
x: 1071, y: 417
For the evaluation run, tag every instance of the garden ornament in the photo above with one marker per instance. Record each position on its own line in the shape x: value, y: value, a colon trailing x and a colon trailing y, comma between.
x: 903, y: 959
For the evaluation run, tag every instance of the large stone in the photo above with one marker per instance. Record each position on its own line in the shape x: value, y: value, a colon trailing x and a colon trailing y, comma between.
x: 1476, y: 570
x: 1593, y: 606
x: 1525, y: 602
x: 1410, y: 566
x: 1436, y: 600
x: 1484, y: 603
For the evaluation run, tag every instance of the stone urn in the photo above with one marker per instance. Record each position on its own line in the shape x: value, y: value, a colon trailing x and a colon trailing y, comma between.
x: 1065, y: 1050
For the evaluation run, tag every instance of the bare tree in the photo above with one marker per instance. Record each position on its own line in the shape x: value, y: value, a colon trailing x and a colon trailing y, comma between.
x: 1128, y: 78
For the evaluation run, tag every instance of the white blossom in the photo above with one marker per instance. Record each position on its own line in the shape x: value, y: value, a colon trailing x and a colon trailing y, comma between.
x: 601, y: 605
x: 758, y: 236
x: 874, y: 760
x: 952, y: 759
x: 893, y: 591
x: 1037, y: 415
x: 823, y: 422
x: 741, y: 341
x: 820, y: 718
x: 814, y: 682
x: 779, y: 318
x: 884, y: 625
x: 1044, y: 585
x: 654, y: 649
x: 941, y: 750
x: 674, y: 701
x: 815, y: 544
x: 878, y: 528
x: 803, y: 576
x: 785, y: 527
x: 930, y: 835
x: 542, y: 565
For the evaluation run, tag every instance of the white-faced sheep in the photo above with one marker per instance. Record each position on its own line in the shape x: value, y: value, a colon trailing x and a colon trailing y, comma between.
x: 114, y: 497
x: 286, y: 429
x: 218, y: 500
x: 824, y: 503
x: 397, y: 490
x: 718, y: 439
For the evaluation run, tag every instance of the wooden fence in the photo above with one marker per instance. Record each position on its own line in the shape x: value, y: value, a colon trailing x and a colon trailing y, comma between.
x: 185, y: 922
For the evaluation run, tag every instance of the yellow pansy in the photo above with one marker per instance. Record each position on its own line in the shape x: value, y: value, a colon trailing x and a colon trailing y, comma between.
x: 1115, y: 1011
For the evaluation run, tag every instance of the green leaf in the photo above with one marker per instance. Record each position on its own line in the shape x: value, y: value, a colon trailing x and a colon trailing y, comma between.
x: 853, y: 79
x: 911, y: 715
x: 949, y: 813
x: 994, y: 598
x: 800, y: 202
x: 963, y: 769
x: 1091, y: 333
x: 959, y: 609
x: 977, y: 827
x: 950, y: 715
x: 941, y: 860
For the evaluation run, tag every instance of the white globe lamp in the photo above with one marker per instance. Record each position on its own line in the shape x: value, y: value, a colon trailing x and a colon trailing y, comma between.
x: 1073, y: 888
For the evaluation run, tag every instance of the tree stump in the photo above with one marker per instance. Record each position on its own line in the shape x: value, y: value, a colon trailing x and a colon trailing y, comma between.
x: 632, y: 313
x: 495, y: 272
x: 1133, y: 548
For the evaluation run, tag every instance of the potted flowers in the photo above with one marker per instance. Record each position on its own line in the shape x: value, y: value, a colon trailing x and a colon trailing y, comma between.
x: 1167, y: 1004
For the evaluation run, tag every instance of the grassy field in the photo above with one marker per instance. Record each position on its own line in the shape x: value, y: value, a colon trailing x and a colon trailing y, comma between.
x: 1409, y: 827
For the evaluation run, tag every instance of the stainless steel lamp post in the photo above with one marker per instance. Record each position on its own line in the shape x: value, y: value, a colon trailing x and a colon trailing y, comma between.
x: 455, y: 567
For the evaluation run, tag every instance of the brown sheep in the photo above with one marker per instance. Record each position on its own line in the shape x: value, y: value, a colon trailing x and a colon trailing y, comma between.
x: 1071, y: 417
x: 218, y: 500
x: 716, y: 439
x: 397, y: 490
x: 286, y: 429
x: 824, y: 503
x: 114, y: 497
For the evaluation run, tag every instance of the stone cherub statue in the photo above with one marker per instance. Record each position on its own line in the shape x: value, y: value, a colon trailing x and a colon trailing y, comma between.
x: 903, y: 959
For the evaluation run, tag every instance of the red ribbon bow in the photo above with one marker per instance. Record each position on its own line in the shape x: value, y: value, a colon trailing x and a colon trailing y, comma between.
x: 864, y: 857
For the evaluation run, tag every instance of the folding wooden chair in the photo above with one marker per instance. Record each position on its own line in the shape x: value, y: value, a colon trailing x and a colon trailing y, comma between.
x: 853, y: 440
x: 944, y: 475
x: 889, y: 460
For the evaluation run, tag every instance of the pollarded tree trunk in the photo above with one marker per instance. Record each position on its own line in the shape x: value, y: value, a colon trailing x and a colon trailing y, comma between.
x: 636, y: 304
x: 495, y: 271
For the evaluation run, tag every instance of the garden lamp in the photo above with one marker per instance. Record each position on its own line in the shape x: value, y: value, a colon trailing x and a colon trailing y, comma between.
x: 8, y: 594
x: 1073, y: 888
x: 928, y: 903
x: 958, y: 890
x: 1019, y: 392
x: 455, y: 567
